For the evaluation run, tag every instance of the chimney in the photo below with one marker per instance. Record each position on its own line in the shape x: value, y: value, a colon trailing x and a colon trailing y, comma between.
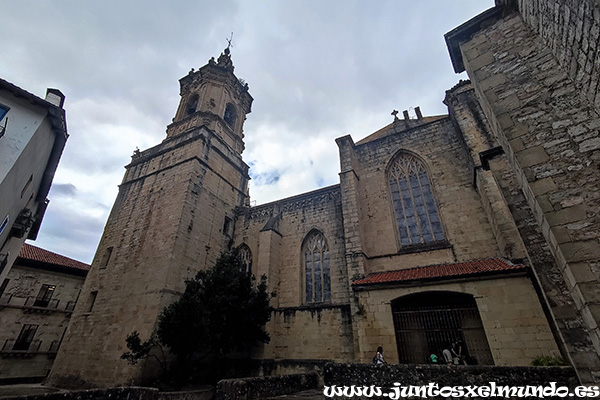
x: 406, y: 116
x: 418, y: 112
x: 55, y: 96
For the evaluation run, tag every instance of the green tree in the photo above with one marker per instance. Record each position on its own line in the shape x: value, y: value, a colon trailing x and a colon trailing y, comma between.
x: 139, y: 350
x: 223, y: 309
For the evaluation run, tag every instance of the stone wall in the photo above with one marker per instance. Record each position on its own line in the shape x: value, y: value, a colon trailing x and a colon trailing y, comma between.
x: 514, y: 323
x: 549, y: 175
x: 386, y: 375
x: 571, y: 29
x: 124, y: 393
x: 437, y: 144
x: 265, y: 386
x: 311, y: 332
x: 275, y: 232
x: 171, y: 199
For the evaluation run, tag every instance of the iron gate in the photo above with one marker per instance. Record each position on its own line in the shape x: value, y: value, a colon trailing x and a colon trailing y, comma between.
x: 426, y: 323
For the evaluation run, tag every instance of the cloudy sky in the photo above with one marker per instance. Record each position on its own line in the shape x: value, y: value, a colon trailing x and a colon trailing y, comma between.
x: 317, y: 69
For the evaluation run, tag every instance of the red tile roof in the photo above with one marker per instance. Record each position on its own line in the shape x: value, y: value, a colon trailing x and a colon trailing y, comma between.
x: 462, y: 269
x: 32, y: 253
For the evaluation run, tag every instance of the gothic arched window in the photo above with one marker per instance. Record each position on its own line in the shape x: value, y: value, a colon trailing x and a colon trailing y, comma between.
x: 245, y: 257
x: 192, y: 104
x: 229, y: 115
x: 316, y: 268
x: 416, y: 213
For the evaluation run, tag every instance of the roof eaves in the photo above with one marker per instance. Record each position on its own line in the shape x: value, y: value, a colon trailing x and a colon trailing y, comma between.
x: 487, y: 275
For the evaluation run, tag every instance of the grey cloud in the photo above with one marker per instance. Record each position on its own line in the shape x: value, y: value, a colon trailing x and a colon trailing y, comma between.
x: 64, y: 190
x: 316, y: 69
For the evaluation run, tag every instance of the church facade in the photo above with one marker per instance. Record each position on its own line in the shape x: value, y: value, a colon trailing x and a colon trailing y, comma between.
x: 442, y: 228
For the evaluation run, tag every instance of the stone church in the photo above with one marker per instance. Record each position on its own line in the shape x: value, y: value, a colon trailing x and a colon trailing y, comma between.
x: 481, y: 225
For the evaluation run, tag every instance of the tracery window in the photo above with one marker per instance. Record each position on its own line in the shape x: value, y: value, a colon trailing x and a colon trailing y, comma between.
x: 245, y: 257
x: 316, y: 268
x: 416, y: 212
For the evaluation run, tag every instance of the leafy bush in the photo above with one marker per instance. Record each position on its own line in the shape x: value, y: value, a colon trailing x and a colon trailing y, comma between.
x: 549, y: 361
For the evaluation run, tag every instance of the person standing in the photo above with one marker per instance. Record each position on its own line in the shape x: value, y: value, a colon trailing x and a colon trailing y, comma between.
x: 379, y: 360
x: 457, y: 353
x: 448, y: 355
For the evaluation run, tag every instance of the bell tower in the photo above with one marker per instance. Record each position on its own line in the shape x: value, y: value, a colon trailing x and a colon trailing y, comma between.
x: 173, y: 216
x: 215, y: 98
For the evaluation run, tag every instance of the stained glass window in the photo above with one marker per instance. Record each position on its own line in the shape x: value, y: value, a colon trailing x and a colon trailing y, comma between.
x: 416, y: 213
x: 316, y: 268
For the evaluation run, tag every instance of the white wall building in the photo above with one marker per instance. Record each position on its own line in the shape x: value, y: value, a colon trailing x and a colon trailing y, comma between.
x: 33, y: 132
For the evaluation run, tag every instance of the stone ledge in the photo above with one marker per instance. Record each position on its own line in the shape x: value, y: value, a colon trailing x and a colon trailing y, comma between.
x: 265, y: 386
x: 444, y: 375
x: 119, y: 393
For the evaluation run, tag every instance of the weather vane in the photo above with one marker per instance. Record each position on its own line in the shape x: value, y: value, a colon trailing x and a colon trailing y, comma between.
x: 229, y: 41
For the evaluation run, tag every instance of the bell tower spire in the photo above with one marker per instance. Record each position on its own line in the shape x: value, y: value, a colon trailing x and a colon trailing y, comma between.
x: 215, y: 98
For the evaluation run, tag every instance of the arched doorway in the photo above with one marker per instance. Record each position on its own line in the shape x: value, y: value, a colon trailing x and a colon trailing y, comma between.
x: 428, y: 322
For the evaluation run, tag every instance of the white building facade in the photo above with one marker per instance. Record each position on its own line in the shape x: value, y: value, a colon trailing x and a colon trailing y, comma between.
x: 33, y: 133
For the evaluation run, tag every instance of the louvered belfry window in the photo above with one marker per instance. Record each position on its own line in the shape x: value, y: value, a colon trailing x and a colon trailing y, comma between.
x: 415, y: 209
x: 316, y: 268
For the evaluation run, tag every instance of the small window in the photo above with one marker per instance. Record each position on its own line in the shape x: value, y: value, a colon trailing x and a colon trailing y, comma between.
x: 25, y: 337
x: 91, y: 301
x: 230, y: 114
x: 24, y: 190
x: 44, y: 296
x: 192, y: 105
x: 106, y: 257
x: 227, y: 224
x: 3, y: 111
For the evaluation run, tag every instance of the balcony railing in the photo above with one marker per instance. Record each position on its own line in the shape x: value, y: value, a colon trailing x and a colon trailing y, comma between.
x: 21, y: 347
x: 34, y: 304
x: 23, y: 222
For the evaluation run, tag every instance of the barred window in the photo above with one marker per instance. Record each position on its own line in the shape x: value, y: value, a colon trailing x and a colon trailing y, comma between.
x: 316, y: 268
x: 416, y: 213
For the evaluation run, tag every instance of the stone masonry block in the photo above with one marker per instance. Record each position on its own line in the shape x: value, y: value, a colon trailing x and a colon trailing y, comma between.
x: 567, y: 215
x: 532, y: 156
x: 580, y: 251
x: 543, y: 186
